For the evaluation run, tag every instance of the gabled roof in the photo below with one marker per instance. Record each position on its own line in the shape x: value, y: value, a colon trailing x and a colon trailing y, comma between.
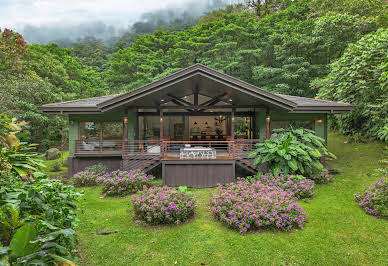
x: 208, y: 82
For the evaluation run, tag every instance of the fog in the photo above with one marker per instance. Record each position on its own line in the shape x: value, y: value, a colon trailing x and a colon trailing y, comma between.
x: 108, y: 28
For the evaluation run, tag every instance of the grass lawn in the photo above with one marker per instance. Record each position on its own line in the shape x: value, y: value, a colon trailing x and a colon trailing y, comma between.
x: 338, y: 231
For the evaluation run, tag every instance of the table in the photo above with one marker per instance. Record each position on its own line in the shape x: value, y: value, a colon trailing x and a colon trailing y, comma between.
x: 197, y: 153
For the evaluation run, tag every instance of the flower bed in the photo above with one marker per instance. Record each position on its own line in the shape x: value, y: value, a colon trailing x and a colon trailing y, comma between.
x: 374, y: 199
x: 121, y: 183
x: 297, y: 185
x: 256, y: 206
x: 163, y: 205
x: 85, y: 179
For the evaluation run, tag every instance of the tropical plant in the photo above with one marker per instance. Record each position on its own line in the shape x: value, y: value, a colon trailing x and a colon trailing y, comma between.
x: 374, y: 198
x: 297, y: 185
x: 254, y: 206
x: 85, y: 178
x: 36, y: 221
x: 121, y: 183
x: 163, y: 205
x: 285, y: 153
x: 360, y: 77
x: 22, y: 158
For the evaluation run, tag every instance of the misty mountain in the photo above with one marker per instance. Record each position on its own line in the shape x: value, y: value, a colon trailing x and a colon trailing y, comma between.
x: 172, y: 17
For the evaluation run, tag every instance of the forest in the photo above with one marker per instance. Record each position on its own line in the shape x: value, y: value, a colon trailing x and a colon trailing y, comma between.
x: 310, y: 48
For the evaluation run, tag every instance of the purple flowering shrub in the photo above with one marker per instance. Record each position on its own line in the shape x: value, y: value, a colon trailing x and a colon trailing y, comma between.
x: 163, y: 205
x: 85, y: 179
x: 374, y: 198
x: 121, y: 183
x: 256, y: 206
x: 297, y: 185
x: 323, y: 177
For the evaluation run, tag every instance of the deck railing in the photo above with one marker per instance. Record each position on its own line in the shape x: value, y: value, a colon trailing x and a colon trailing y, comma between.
x: 169, y: 150
x: 95, y: 146
x: 197, y: 150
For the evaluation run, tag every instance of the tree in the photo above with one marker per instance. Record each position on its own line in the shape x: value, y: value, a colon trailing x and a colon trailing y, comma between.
x: 12, y: 47
x: 360, y: 77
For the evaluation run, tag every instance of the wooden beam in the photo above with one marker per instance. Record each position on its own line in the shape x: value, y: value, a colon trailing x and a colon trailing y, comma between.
x: 267, y: 121
x: 207, y: 107
x: 232, y: 124
x: 125, y: 137
x: 161, y: 124
x: 237, y: 114
x: 195, y: 91
x: 178, y: 99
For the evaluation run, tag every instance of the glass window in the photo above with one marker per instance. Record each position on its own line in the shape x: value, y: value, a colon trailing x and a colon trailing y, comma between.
x: 295, y: 124
x: 90, y: 130
x: 112, y: 130
x: 100, y: 130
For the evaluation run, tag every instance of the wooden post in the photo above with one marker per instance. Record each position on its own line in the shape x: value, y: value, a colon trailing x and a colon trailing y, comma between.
x: 232, y: 124
x: 125, y: 131
x: 267, y: 121
x: 161, y: 124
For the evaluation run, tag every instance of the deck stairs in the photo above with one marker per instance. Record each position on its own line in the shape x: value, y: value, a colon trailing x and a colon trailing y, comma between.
x: 142, y: 162
x: 246, y: 164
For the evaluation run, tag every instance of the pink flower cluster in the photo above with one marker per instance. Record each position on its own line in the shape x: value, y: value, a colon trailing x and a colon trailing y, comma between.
x: 374, y: 198
x: 121, y: 183
x: 163, y: 205
x: 256, y: 206
x: 297, y: 185
x: 84, y: 179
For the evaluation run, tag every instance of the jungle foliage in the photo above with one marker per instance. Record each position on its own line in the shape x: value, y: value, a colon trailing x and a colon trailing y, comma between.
x: 288, y: 47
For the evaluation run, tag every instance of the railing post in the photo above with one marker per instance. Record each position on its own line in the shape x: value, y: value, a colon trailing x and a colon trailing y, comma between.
x: 234, y: 149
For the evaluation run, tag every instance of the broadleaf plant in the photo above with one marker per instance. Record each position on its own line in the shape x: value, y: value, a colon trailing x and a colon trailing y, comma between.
x: 292, y: 151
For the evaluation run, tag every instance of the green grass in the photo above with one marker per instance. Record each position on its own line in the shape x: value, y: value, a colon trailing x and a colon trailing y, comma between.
x: 49, y: 165
x: 338, y: 231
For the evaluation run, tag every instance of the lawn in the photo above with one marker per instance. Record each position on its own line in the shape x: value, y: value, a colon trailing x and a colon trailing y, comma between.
x: 338, y: 231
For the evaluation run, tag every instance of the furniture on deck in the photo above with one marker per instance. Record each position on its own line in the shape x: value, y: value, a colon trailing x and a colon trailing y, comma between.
x: 197, y: 153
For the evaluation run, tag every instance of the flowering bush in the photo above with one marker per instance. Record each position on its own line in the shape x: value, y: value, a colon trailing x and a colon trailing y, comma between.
x: 297, y: 185
x: 85, y: 179
x: 249, y: 206
x: 322, y: 178
x: 374, y: 198
x: 121, y: 183
x: 163, y: 205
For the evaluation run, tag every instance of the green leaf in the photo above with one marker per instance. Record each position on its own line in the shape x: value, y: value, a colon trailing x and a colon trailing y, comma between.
x: 293, y: 165
x: 20, y: 244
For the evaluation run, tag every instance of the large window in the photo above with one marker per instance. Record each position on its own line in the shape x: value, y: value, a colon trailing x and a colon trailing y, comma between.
x: 308, y: 124
x: 100, y: 130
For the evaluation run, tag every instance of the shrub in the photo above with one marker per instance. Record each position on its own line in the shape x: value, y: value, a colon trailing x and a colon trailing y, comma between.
x: 163, y: 205
x: 297, y: 185
x: 56, y: 166
x: 41, y: 214
x: 322, y: 178
x: 295, y: 151
x: 85, y: 178
x: 256, y: 206
x: 374, y: 198
x: 121, y: 183
x: 98, y: 169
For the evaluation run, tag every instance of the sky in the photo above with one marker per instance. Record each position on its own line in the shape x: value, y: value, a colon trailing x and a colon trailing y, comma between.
x: 16, y: 13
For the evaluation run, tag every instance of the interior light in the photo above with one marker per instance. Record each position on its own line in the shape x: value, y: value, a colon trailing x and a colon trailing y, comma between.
x: 319, y: 121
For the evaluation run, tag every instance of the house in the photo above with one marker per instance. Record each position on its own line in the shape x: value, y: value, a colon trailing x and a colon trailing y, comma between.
x: 198, y: 125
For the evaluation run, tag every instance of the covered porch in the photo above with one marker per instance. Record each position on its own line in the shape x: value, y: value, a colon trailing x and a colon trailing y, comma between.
x: 196, y: 121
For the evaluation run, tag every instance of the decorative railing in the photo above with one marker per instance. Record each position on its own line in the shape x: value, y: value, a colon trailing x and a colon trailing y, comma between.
x: 94, y: 146
x: 144, y: 147
x: 197, y: 150
x: 170, y: 150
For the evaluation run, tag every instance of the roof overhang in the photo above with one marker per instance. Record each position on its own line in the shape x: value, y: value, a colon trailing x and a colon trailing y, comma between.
x: 201, y: 80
